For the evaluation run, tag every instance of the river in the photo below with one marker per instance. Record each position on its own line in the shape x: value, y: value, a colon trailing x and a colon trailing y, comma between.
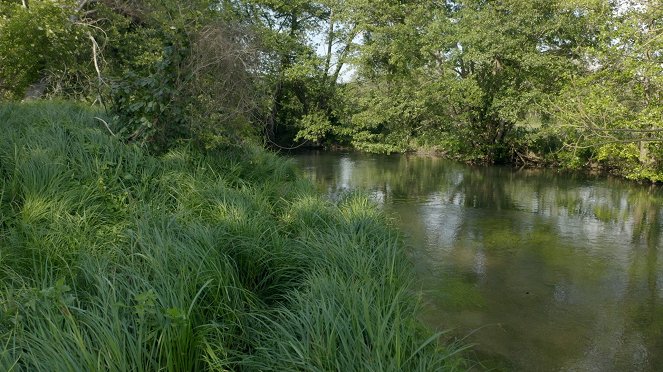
x: 540, y: 271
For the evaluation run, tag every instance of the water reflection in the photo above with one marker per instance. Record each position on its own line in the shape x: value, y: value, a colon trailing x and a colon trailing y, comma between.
x: 546, y: 271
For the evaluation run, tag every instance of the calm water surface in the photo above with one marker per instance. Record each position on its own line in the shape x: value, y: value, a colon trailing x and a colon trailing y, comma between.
x: 541, y: 271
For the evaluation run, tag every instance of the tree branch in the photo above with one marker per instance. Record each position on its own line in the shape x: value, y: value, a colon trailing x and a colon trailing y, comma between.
x: 106, y: 125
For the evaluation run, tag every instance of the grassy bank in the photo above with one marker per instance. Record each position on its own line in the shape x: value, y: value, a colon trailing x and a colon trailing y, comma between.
x: 112, y: 259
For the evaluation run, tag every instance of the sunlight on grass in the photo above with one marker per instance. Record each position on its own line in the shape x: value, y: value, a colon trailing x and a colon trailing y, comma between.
x: 112, y: 259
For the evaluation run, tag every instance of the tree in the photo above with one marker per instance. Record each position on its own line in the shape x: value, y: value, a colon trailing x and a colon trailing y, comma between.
x: 40, y: 43
x: 611, y: 113
x: 306, y: 45
x: 194, y: 79
x: 462, y: 75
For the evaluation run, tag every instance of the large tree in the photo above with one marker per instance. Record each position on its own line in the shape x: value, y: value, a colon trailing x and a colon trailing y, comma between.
x: 612, y: 112
x: 465, y: 73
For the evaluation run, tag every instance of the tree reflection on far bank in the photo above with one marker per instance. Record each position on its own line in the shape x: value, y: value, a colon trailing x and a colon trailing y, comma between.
x: 544, y: 270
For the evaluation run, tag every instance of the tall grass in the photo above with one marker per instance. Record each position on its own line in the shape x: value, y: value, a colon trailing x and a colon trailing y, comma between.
x: 112, y: 259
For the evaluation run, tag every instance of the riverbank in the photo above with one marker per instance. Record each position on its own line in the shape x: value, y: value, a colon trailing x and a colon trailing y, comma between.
x: 113, y: 259
x: 533, y: 160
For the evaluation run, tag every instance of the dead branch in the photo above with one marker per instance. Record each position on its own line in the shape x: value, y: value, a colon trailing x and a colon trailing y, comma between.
x: 106, y: 125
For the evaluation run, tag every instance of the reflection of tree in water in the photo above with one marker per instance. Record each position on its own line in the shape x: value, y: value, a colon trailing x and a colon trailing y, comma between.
x: 406, y: 177
x: 482, y: 188
x: 629, y: 209
x: 524, y: 248
x: 643, y: 298
x: 627, y: 216
x: 397, y: 176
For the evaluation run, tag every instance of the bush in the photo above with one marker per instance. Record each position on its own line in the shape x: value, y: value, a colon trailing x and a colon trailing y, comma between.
x: 38, y: 39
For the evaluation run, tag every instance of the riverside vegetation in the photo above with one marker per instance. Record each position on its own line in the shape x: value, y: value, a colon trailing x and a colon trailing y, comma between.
x: 161, y: 236
x: 114, y: 259
x: 564, y: 83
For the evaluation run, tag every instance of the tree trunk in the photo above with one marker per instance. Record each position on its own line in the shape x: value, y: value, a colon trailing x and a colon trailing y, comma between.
x: 330, y: 42
x: 644, y: 153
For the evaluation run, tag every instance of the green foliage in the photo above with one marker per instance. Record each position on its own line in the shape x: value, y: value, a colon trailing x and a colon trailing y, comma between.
x: 301, y: 84
x: 192, y: 83
x: 151, y: 108
x: 112, y: 259
x: 464, y: 74
x: 571, y: 83
x: 169, y: 71
x: 314, y: 126
x: 38, y: 42
x: 612, y: 111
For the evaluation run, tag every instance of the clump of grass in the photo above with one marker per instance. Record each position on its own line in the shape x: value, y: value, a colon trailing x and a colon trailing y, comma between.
x: 113, y: 259
x: 346, y: 325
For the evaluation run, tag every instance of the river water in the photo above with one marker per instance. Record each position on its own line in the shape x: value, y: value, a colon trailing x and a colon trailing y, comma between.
x: 540, y: 271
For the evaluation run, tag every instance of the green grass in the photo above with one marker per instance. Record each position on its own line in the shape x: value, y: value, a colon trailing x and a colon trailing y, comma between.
x: 115, y: 260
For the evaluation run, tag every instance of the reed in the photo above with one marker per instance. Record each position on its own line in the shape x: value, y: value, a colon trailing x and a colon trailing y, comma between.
x: 114, y: 259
